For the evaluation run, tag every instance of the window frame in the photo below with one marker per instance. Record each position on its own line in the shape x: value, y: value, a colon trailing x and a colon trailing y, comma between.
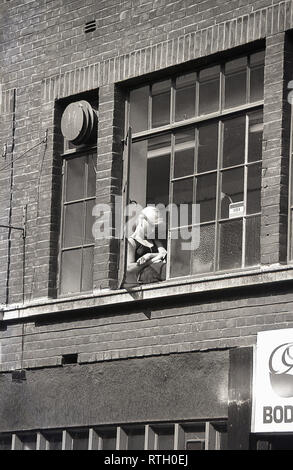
x: 67, y: 155
x: 193, y: 123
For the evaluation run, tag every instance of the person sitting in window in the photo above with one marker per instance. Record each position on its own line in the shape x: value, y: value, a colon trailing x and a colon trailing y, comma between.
x: 146, y: 255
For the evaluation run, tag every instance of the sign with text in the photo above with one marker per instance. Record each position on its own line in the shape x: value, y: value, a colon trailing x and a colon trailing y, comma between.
x: 272, y: 409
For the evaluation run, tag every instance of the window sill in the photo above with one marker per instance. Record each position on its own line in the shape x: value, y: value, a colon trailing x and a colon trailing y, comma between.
x: 180, y: 286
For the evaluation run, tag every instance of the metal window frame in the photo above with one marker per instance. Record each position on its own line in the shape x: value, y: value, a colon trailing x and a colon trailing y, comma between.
x: 212, y: 429
x: 67, y: 156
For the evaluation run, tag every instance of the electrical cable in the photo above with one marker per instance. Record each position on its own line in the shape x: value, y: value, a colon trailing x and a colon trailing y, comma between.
x: 21, y: 155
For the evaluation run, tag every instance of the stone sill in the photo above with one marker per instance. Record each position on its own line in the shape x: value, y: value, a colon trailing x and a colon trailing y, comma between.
x: 181, y: 286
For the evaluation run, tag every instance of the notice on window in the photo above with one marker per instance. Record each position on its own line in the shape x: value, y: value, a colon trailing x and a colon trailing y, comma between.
x: 236, y: 209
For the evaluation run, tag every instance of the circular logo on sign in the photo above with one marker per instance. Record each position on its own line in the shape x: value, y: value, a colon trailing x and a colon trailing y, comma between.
x: 281, y: 370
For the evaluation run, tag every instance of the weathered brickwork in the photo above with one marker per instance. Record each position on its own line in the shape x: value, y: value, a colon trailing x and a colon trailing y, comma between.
x: 46, y: 56
x: 197, y: 324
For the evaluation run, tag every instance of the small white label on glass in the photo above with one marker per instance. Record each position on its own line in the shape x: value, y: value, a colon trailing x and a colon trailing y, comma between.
x: 236, y: 209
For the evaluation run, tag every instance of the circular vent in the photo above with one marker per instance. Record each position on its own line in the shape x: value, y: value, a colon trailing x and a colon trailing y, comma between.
x: 78, y: 122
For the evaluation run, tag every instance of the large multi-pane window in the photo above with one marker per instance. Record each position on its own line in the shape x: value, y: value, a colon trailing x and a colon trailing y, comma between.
x: 197, y: 142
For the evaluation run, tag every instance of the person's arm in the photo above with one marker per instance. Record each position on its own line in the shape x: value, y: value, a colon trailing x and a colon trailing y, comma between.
x: 132, y: 265
x: 150, y: 258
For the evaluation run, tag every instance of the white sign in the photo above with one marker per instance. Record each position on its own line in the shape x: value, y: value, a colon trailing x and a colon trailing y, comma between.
x: 272, y: 407
x: 236, y: 209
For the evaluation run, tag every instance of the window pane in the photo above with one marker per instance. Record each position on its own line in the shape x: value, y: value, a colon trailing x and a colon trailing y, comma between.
x: 232, y: 191
x: 182, y: 194
x: 108, y: 439
x: 255, y: 136
x: 87, y: 268
x: 185, y: 97
x: 180, y: 259
x: 256, y: 84
x: 5, y: 442
x: 75, y: 181
x: 184, y: 153
x: 54, y: 440
x: 91, y: 183
x: 29, y: 442
x: 254, y: 188
x: 138, y: 172
x: 139, y: 101
x: 158, y: 170
x: 165, y: 438
x: 209, y: 90
x: 70, y: 271
x: 206, y: 189
x: 235, y: 83
x: 80, y: 440
x: 230, y: 244
x: 161, y: 94
x: 252, y: 254
x: 234, y: 141
x: 207, y: 147
x: 203, y: 260
x: 73, y: 225
x: 135, y: 439
x: 89, y: 238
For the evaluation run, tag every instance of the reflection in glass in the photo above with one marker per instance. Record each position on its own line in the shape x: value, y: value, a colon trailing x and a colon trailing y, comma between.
x: 184, y: 153
x: 180, y: 259
x: 232, y: 190
x: 185, y: 97
x: 254, y: 188
x: 252, y: 254
x: 182, y: 194
x: 230, y: 244
x: 203, y: 258
x: 87, y: 268
x: 71, y: 271
x: 207, y: 147
x: 209, y: 90
x: 75, y: 178
x: 235, y: 82
x: 255, y: 136
x: 206, y: 189
x: 161, y: 94
x: 73, y: 225
x: 234, y: 141
x: 139, y: 101
x: 257, y: 84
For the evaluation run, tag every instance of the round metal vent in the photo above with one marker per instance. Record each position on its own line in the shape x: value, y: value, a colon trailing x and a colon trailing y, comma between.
x: 78, y: 122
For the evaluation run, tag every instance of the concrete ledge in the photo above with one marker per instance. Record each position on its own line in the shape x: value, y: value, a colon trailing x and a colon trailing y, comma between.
x: 184, y: 286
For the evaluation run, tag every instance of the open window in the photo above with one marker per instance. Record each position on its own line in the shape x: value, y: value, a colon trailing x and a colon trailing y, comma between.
x: 196, y: 151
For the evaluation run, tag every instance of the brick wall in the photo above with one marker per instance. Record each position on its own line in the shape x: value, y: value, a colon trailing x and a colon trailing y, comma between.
x: 200, y: 323
x: 45, y: 55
